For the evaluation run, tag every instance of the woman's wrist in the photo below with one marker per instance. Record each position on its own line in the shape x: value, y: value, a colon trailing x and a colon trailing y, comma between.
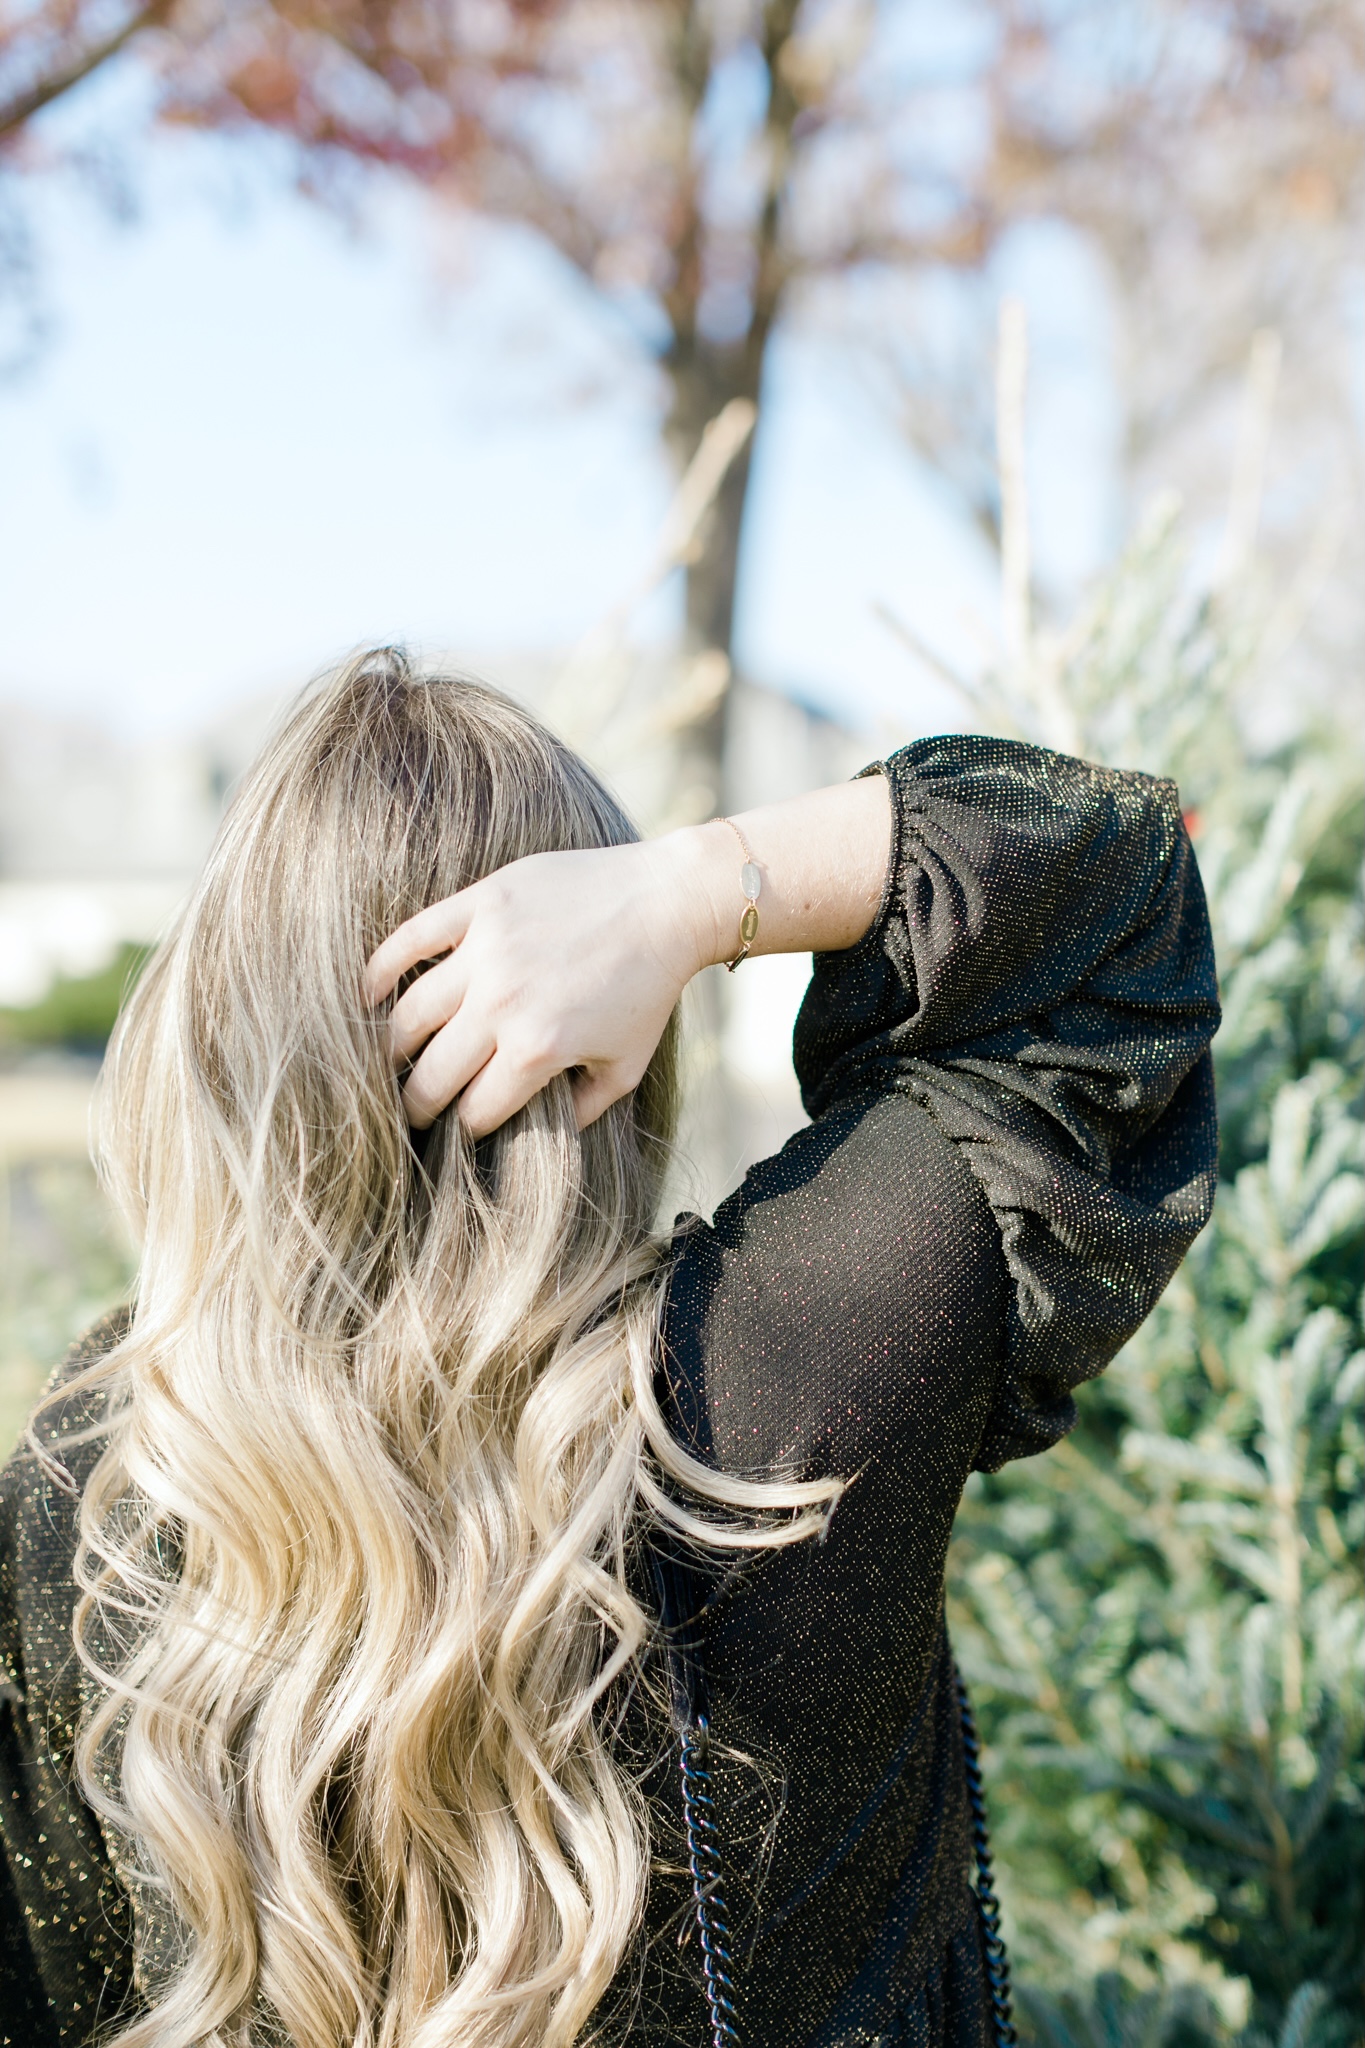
x: 696, y: 879
x: 822, y: 860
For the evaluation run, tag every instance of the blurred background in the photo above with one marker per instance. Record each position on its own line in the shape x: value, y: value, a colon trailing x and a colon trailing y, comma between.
x: 752, y: 386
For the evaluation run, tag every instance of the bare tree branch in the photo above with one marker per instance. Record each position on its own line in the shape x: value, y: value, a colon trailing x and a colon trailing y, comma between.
x: 15, y: 113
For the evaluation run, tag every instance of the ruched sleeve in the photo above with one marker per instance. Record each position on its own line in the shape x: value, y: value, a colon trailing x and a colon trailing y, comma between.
x: 1040, y: 978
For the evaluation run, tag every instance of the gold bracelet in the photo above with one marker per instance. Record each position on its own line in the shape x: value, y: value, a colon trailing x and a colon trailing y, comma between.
x: 750, y: 881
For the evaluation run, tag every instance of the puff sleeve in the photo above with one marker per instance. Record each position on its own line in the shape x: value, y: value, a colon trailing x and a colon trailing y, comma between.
x: 1040, y: 978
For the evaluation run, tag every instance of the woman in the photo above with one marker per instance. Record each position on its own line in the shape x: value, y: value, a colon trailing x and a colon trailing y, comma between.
x: 423, y: 1486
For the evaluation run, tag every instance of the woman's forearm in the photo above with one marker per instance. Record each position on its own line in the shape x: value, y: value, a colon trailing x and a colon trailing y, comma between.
x: 822, y: 858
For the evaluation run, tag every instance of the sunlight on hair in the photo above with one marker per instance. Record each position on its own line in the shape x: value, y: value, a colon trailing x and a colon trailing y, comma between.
x: 383, y: 1438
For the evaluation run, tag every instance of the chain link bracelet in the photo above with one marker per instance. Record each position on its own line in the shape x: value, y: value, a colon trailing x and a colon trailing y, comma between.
x: 751, y: 882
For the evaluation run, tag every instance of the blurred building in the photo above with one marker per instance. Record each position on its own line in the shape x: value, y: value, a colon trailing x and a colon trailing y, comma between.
x: 99, y: 837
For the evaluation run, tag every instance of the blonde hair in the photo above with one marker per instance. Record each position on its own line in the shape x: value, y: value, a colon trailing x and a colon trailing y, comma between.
x: 381, y: 1435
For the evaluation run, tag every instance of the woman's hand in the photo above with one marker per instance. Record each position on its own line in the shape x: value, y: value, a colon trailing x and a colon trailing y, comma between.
x: 563, y: 962
x: 572, y: 962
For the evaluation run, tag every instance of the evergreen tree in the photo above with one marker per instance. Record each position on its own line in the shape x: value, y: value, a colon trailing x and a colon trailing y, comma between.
x: 1162, y: 1620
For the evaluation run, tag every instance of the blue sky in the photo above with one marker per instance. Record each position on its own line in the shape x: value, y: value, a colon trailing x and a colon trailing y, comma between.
x: 255, y: 437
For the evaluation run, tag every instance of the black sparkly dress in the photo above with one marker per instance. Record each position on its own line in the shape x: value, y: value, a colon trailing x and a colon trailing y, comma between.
x: 1013, y: 1142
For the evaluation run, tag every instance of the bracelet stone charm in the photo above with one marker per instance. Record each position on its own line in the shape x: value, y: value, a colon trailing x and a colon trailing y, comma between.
x: 751, y: 882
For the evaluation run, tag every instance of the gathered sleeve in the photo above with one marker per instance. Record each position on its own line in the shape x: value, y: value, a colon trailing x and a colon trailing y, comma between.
x: 1040, y: 979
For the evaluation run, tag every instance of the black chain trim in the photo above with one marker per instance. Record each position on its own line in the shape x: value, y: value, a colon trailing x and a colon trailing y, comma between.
x: 703, y: 1859
x: 997, y: 1957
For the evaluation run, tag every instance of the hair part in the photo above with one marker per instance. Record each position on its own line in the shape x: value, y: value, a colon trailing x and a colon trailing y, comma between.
x: 354, y: 1558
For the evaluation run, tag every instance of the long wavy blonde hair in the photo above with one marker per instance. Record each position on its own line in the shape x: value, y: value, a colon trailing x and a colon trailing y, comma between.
x: 381, y: 1435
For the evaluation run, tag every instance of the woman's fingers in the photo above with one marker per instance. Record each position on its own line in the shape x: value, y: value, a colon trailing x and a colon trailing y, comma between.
x: 554, y: 964
x: 596, y: 1088
x: 497, y: 1092
x: 428, y: 1005
x: 450, y: 1062
x: 433, y: 931
x: 490, y: 1082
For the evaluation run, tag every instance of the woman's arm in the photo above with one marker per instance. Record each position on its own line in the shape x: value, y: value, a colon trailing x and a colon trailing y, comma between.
x: 574, y: 961
x: 1039, y: 977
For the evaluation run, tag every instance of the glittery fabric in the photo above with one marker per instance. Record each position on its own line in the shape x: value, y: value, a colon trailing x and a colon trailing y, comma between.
x: 1013, y: 1142
x: 66, y: 1923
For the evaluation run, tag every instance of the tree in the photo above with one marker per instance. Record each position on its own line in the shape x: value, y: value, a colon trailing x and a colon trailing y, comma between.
x: 672, y: 150
x: 1210, y: 162
x: 706, y: 161
x: 1162, y: 1619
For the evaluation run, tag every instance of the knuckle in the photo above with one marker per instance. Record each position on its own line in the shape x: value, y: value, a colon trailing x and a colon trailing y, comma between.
x: 418, y: 1110
x: 415, y: 1018
x: 498, y: 899
x: 538, y: 1046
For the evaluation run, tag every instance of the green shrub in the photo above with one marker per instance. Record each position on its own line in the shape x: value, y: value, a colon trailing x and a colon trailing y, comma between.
x: 77, y: 1012
x: 1163, y: 1617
